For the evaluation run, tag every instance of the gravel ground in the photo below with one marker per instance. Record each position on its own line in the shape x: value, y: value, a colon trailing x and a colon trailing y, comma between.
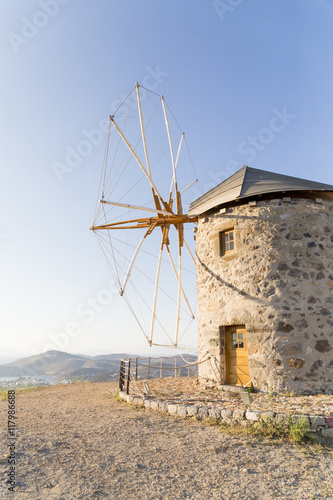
x: 77, y: 442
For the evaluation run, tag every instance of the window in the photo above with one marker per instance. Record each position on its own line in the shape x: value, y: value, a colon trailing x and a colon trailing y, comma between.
x: 238, y: 340
x: 227, y: 242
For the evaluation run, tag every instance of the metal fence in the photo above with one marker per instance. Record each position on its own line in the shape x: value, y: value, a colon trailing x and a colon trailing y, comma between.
x: 151, y: 368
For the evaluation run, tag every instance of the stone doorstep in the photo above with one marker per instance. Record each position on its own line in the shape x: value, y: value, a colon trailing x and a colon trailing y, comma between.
x: 317, y: 423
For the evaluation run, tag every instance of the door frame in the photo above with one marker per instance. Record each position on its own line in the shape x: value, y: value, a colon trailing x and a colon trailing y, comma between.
x: 227, y: 331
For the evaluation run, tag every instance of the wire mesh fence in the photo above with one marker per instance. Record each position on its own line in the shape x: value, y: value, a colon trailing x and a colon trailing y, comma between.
x: 142, y: 368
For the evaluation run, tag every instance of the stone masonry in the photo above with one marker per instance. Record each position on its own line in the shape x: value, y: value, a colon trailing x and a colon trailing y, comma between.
x: 278, y: 283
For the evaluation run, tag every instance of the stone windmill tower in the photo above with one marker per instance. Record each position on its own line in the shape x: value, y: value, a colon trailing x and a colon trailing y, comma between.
x: 265, y: 282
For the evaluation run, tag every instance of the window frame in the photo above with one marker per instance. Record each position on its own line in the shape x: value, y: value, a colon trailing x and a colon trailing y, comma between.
x: 222, y: 235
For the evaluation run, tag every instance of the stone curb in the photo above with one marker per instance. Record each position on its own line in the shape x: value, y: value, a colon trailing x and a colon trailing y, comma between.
x: 319, y: 425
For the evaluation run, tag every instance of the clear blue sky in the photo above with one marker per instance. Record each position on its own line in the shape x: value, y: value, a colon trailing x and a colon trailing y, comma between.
x: 228, y: 69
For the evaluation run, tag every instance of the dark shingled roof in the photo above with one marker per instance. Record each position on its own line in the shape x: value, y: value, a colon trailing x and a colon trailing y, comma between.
x: 250, y: 182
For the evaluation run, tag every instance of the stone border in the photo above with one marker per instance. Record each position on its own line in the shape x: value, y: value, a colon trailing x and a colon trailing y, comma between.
x: 320, y: 426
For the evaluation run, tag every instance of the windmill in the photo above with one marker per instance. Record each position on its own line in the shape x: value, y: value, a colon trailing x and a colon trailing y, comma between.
x: 139, y: 219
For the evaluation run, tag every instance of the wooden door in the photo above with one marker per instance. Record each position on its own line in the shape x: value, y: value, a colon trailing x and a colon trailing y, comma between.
x: 237, y: 368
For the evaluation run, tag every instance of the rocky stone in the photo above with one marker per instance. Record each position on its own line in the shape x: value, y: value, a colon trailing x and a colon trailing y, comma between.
x: 290, y: 349
x: 202, y: 413
x: 192, y: 410
x: 323, y: 345
x: 162, y: 406
x: 317, y: 364
x: 267, y: 416
x: 285, y: 327
x: 317, y: 421
x: 181, y: 411
x: 172, y: 409
x: 214, y: 413
x: 296, y: 363
x: 315, y: 437
x: 253, y: 415
x: 282, y: 418
x: 226, y: 414
x: 138, y: 400
x: 239, y: 415
x: 282, y: 267
x: 327, y: 434
x: 154, y: 405
x: 301, y: 419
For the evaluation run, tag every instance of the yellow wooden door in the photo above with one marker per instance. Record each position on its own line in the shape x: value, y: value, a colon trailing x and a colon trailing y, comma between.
x: 237, y: 368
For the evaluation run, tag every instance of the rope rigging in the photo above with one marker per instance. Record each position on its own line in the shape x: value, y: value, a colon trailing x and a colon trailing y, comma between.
x: 147, y: 157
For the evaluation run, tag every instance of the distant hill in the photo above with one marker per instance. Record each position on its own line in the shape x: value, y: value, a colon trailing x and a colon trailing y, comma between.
x: 63, y: 365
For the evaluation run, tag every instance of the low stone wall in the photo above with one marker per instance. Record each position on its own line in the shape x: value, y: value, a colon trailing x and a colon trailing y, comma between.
x: 319, y: 426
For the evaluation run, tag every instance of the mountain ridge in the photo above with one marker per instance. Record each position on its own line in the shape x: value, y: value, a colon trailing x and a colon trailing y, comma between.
x: 64, y: 365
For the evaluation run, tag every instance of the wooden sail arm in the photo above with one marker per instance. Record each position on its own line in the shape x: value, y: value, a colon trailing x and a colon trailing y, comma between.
x: 163, y: 221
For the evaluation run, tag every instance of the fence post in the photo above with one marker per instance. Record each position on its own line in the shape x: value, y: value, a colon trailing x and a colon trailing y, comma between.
x: 136, y: 369
x: 122, y: 375
x: 161, y: 368
x: 148, y: 368
x: 128, y: 376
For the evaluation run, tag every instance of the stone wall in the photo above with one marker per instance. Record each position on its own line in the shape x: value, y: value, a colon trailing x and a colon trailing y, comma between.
x: 278, y: 283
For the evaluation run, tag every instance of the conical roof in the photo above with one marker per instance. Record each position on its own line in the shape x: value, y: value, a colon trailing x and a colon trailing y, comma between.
x: 248, y: 182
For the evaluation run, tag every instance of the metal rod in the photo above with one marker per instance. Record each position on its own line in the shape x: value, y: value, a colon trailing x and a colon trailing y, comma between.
x: 148, y: 375
x: 175, y: 271
x: 179, y: 150
x: 139, y: 162
x: 171, y: 151
x: 177, y: 159
x: 142, y: 129
x: 179, y: 287
x: 188, y: 187
x: 155, y: 293
x: 189, y: 251
x: 132, y: 263
x: 136, y: 369
x: 161, y: 368
x: 134, y: 207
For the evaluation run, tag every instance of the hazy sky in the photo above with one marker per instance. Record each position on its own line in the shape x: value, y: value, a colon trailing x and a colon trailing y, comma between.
x: 249, y: 81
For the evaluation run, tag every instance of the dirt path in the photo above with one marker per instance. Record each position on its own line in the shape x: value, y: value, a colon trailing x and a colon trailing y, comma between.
x: 78, y: 442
